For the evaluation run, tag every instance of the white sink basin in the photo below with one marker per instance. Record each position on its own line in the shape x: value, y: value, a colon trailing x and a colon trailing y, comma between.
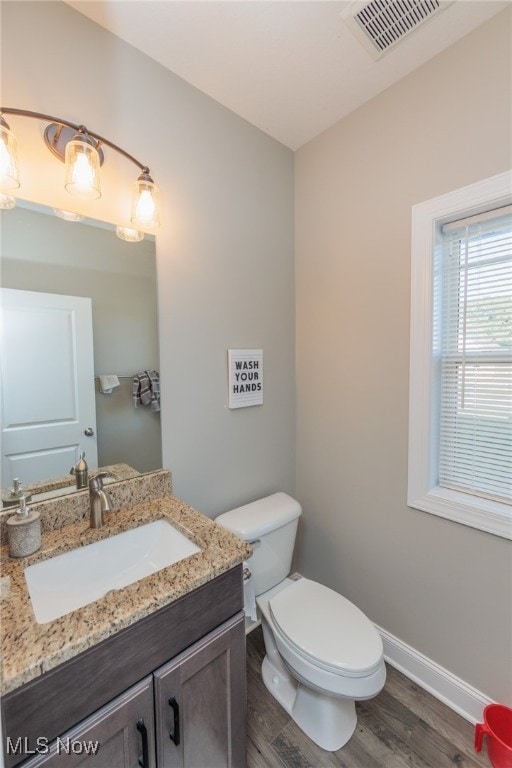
x: 64, y: 583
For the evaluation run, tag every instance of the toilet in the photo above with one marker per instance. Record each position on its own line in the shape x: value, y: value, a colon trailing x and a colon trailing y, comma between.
x: 322, y: 653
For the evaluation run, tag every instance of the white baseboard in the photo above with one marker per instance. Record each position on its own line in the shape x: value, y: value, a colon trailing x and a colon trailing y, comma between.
x: 445, y: 686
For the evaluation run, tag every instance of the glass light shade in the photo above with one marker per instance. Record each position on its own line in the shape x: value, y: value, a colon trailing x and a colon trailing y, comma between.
x: 146, y: 203
x: 9, y: 174
x: 7, y: 202
x: 129, y: 234
x: 82, y: 168
x: 68, y: 215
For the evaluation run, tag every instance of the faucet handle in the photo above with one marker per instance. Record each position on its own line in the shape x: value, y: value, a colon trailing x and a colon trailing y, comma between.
x: 100, y: 500
x: 96, y: 482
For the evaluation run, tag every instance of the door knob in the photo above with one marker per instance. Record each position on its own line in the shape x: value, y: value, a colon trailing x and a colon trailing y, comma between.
x: 89, y: 431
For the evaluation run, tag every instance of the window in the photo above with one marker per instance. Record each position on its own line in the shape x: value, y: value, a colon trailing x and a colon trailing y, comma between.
x: 460, y: 428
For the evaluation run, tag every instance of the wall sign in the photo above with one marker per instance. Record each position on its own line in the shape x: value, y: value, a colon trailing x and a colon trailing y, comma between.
x: 245, y: 377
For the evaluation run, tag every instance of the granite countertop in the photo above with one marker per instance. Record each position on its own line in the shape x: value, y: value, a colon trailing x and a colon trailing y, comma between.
x: 29, y: 648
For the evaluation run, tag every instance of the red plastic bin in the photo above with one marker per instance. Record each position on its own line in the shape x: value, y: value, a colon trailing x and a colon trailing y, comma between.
x: 497, y: 726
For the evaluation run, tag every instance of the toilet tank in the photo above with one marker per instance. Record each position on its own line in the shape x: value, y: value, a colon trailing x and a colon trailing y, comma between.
x: 270, y: 525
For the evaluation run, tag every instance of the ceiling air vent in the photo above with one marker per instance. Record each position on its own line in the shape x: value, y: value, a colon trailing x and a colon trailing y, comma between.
x: 381, y: 24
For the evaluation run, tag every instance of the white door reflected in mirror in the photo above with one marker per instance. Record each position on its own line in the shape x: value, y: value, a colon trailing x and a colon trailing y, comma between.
x: 48, y: 402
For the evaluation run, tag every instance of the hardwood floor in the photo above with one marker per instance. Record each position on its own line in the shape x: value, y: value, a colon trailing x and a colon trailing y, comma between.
x: 403, y: 727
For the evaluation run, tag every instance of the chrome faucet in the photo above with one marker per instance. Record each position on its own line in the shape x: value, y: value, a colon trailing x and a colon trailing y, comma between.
x: 100, y: 501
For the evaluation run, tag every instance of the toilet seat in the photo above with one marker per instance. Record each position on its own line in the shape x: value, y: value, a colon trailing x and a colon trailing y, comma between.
x: 326, y: 630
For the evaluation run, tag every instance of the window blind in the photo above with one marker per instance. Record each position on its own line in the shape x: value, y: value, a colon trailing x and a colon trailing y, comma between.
x: 475, y: 430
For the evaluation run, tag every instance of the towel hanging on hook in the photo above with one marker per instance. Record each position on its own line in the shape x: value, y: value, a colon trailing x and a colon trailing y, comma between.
x: 146, y: 389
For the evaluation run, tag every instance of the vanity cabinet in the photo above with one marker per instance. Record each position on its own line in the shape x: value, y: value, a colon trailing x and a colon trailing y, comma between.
x: 168, y: 691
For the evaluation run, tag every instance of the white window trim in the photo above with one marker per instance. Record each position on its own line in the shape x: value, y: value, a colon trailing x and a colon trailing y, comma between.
x: 423, y: 491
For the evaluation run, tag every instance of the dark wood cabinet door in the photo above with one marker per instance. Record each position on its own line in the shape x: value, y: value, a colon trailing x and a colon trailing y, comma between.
x: 200, y: 702
x: 119, y: 735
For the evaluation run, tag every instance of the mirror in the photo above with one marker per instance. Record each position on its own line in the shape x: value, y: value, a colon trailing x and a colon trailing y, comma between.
x: 45, y: 254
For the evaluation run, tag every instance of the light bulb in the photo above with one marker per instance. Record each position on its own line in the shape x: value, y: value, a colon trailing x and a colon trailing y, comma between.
x: 82, y: 174
x: 145, y: 208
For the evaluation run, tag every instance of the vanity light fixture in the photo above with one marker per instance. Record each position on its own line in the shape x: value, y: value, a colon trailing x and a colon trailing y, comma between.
x: 81, y: 151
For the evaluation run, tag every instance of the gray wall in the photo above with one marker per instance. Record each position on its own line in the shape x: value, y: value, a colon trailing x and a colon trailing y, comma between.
x: 41, y: 252
x: 224, y: 253
x: 443, y: 588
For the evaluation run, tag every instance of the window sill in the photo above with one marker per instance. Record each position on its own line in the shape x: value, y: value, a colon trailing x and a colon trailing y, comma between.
x: 484, y: 514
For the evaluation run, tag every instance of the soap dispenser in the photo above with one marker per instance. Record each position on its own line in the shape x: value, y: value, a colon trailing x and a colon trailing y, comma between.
x: 24, y: 531
x: 81, y: 471
x: 17, y: 491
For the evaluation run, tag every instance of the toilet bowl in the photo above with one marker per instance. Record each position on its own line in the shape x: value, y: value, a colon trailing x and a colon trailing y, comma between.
x: 322, y: 653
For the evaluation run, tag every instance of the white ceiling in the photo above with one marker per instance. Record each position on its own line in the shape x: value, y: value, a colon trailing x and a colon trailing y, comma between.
x: 290, y: 67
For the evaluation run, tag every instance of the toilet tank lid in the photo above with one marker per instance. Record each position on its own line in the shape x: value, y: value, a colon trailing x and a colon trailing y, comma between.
x: 253, y: 520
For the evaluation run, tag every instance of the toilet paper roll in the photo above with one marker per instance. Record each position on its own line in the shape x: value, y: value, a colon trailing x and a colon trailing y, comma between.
x: 249, y: 596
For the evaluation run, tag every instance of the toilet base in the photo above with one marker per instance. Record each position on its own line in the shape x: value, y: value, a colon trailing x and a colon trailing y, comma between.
x: 328, y: 721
